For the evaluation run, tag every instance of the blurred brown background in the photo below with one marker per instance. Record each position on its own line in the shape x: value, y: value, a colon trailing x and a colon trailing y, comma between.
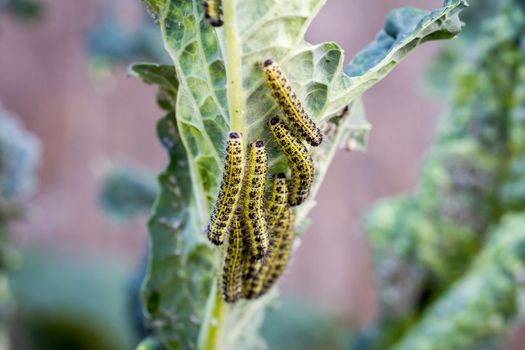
x: 85, y: 125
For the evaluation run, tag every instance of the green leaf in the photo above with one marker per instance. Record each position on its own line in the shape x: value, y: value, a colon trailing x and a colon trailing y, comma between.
x: 89, y: 310
x: 217, y: 85
x: 181, y: 266
x: 127, y: 191
x: 483, y: 304
x: 163, y: 76
x: 405, y: 28
x: 199, y: 54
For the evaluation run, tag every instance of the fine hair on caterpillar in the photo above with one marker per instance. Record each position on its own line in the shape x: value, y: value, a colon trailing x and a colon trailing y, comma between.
x: 230, y: 189
x: 290, y: 104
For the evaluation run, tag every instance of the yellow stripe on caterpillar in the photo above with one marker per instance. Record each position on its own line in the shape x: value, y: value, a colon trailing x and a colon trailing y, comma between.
x: 213, y: 12
x: 281, y: 250
x: 230, y: 189
x: 290, y: 104
x: 298, y: 160
x: 253, y: 206
x: 232, y: 266
x: 278, y: 201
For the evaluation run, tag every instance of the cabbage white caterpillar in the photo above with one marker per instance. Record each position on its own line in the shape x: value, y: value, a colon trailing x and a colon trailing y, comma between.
x: 232, y: 267
x: 298, y: 160
x: 230, y: 189
x: 290, y: 104
x: 254, y: 215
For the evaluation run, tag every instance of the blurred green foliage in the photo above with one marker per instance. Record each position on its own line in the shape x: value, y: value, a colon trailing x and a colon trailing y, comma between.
x: 114, y: 38
x: 479, y: 308
x: 427, y: 244
x: 127, y: 191
x: 301, y: 324
x: 25, y: 10
x: 67, y: 302
x: 19, y: 156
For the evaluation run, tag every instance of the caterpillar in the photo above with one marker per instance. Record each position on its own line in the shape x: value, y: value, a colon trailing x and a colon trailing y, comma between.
x: 252, y: 279
x: 233, y: 263
x: 213, y: 12
x: 259, y: 276
x: 278, y: 200
x: 230, y: 189
x: 298, y: 159
x: 281, y: 250
x: 290, y: 104
x: 254, y: 217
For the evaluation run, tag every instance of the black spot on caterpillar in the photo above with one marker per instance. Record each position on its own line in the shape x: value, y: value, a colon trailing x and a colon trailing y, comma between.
x: 253, y: 206
x: 290, y: 104
x: 298, y: 160
x: 232, y: 267
x: 282, y: 242
x: 213, y: 12
x: 230, y: 189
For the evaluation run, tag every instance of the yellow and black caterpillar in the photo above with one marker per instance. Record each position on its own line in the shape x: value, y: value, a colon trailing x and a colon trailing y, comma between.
x: 213, y: 12
x: 243, y: 272
x: 278, y: 201
x: 252, y: 278
x: 254, y: 215
x: 230, y: 189
x: 255, y: 271
x: 279, y: 256
x: 290, y: 104
x: 232, y: 267
x: 261, y: 236
x: 298, y: 160
x: 261, y: 275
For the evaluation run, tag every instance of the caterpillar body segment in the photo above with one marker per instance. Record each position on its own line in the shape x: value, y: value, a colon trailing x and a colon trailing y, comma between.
x: 232, y: 267
x: 281, y: 250
x: 278, y: 201
x: 290, y: 104
x: 230, y: 189
x: 253, y: 281
x: 253, y: 206
x: 298, y: 160
x: 213, y: 12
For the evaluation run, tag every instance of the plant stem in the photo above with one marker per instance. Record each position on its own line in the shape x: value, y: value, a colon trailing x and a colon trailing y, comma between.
x: 232, y: 49
x: 211, y: 329
x: 216, y: 310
